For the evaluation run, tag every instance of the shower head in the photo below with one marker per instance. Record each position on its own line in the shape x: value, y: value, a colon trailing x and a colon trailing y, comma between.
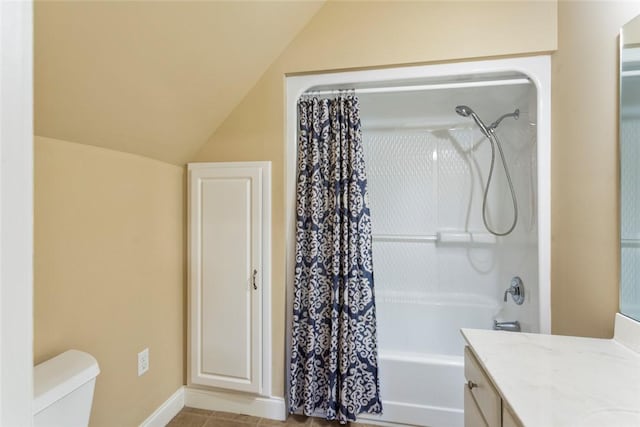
x: 465, y: 111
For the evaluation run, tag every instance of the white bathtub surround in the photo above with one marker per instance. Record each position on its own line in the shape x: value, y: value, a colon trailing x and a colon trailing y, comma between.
x: 426, y: 325
x: 562, y: 381
x: 437, y: 268
x: 431, y: 353
x: 432, y: 400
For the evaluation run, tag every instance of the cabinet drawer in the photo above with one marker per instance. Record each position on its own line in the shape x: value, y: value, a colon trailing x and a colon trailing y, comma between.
x: 484, y: 394
x: 472, y: 415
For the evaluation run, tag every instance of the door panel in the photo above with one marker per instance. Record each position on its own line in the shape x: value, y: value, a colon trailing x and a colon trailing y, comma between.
x: 226, y: 267
x: 225, y: 284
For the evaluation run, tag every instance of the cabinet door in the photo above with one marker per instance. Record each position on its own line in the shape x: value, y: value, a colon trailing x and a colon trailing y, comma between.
x: 472, y: 415
x: 484, y: 394
x: 508, y: 419
x: 226, y: 228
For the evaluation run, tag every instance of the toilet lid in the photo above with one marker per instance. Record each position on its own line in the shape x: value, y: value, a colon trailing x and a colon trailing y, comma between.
x: 57, y: 377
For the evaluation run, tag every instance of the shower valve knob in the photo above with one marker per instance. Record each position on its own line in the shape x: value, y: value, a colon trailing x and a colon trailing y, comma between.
x: 516, y: 289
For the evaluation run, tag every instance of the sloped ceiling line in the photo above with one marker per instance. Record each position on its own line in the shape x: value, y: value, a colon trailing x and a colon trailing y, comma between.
x: 153, y: 78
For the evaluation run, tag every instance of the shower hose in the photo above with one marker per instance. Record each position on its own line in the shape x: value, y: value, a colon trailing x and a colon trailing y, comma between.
x: 495, y: 141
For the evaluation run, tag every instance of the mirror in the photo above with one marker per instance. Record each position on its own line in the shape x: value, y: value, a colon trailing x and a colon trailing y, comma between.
x: 629, y: 131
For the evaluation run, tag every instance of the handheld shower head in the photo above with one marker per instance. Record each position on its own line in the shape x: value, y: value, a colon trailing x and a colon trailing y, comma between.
x: 465, y: 111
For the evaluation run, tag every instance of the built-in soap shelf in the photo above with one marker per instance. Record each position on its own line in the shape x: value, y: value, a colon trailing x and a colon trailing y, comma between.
x: 633, y: 242
x: 448, y: 237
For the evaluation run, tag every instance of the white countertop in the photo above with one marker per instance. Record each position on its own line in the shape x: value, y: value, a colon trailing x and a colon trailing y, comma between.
x: 561, y: 381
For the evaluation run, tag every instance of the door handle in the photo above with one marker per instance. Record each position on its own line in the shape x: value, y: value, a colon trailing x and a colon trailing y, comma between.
x: 255, y: 273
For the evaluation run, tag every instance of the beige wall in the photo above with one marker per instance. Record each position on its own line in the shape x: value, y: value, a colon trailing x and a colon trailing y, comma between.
x: 632, y: 33
x: 359, y: 35
x: 152, y: 78
x: 109, y: 226
x: 109, y: 271
x: 585, y: 256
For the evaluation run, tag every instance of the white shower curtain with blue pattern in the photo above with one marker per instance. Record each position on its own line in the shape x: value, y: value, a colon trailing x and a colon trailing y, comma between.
x: 334, y: 360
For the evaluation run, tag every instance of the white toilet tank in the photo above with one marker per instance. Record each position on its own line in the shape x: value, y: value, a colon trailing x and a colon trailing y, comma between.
x: 63, y: 390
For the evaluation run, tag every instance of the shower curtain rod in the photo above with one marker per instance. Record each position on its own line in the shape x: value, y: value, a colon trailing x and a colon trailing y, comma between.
x: 416, y: 88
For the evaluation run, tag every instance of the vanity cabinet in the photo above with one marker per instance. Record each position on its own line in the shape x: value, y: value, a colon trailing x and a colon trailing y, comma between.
x: 483, y: 406
x: 539, y: 380
x: 508, y: 419
x: 229, y: 286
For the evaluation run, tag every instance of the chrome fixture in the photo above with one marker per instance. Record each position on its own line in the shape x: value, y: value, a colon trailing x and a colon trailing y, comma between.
x: 515, y: 115
x: 513, y: 326
x: 516, y: 289
x: 466, y: 111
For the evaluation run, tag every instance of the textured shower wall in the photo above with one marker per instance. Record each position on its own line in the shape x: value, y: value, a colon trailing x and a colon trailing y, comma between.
x: 421, y: 183
x: 425, y: 180
x: 630, y: 226
x: 401, y: 172
x: 519, y: 251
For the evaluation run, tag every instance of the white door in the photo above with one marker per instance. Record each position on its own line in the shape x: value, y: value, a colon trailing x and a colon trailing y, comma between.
x: 227, y: 229
x: 16, y: 213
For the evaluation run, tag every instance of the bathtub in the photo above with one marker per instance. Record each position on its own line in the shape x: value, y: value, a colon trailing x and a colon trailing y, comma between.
x: 421, y: 355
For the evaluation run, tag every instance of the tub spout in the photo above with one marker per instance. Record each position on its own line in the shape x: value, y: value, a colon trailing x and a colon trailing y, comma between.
x: 513, y: 326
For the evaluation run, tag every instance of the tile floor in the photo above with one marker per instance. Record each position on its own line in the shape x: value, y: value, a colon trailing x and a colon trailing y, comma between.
x: 191, y: 417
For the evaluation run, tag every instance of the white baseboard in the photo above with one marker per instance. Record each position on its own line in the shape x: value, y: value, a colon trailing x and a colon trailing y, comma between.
x: 239, y: 403
x: 166, y: 411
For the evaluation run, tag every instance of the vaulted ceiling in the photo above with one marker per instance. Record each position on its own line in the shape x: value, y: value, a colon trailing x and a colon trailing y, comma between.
x: 153, y: 78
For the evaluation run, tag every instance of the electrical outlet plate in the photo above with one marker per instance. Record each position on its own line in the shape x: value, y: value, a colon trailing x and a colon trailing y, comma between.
x: 143, y: 361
